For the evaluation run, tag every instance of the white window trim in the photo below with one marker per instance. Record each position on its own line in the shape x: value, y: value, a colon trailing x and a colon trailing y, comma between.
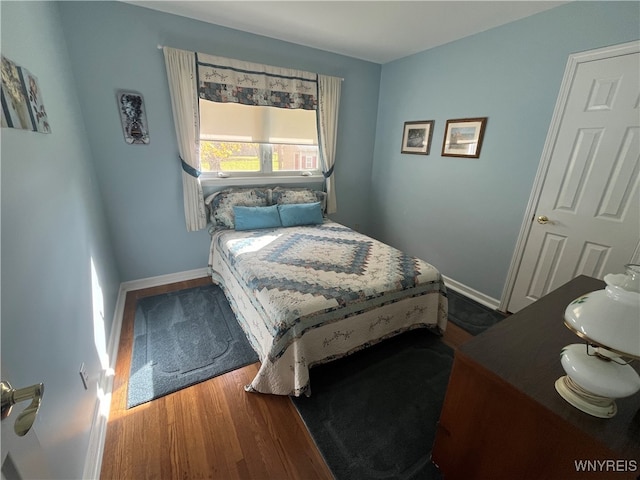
x: 210, y: 179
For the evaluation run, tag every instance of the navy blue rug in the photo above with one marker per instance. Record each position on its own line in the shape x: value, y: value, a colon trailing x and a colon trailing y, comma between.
x: 373, y: 414
x: 470, y: 315
x: 182, y: 338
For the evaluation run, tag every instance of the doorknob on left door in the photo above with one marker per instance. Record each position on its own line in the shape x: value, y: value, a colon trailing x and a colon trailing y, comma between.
x: 543, y: 219
x: 11, y: 396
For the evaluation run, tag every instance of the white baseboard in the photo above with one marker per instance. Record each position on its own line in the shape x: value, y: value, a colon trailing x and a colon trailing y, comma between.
x: 93, y: 461
x: 164, y: 279
x: 479, y: 297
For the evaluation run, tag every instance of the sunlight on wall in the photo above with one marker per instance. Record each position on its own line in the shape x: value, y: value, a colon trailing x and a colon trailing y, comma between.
x: 99, y: 334
x: 100, y: 340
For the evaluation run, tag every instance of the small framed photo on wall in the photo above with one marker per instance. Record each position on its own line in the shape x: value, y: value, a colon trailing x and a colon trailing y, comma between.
x: 416, y: 137
x: 133, y: 117
x: 463, y: 137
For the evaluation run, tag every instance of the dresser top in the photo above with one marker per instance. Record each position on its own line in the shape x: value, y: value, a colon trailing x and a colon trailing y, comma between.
x: 524, y: 350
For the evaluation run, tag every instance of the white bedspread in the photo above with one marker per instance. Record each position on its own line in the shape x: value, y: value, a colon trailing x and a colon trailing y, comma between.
x: 308, y: 295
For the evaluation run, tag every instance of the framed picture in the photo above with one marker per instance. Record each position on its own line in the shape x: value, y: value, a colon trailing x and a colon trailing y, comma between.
x: 22, y: 105
x: 463, y: 137
x: 417, y: 137
x: 36, y: 105
x: 133, y: 118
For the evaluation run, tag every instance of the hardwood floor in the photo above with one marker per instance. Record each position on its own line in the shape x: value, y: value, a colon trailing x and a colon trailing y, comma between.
x: 212, y: 430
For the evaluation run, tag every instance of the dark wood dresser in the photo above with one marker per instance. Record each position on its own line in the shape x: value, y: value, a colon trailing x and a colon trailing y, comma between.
x: 503, y: 419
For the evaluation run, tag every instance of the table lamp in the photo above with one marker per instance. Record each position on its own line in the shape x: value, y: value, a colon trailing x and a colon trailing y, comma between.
x: 598, y: 372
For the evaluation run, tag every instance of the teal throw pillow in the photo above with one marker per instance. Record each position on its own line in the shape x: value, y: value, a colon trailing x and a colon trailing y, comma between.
x: 252, y: 218
x: 294, y: 214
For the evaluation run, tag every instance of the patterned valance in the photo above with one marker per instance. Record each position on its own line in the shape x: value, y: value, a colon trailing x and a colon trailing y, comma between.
x: 224, y: 80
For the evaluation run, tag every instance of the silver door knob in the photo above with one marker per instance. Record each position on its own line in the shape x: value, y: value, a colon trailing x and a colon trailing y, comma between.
x: 543, y: 219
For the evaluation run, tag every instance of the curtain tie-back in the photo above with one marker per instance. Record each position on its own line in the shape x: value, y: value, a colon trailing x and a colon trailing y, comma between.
x: 189, y: 169
x: 329, y: 172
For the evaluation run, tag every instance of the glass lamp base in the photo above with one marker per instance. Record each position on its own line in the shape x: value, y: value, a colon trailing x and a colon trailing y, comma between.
x: 595, y: 405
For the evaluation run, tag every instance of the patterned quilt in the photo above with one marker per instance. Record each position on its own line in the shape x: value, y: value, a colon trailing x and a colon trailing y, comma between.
x: 307, y: 295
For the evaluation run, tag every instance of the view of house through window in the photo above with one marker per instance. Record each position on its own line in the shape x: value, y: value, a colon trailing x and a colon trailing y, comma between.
x: 255, y: 140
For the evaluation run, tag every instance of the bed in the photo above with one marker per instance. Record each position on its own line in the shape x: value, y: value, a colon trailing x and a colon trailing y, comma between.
x: 307, y: 290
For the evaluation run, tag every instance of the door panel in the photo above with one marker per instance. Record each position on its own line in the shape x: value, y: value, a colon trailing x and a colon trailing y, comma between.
x: 546, y: 263
x: 590, y: 192
x: 592, y: 260
x: 22, y: 457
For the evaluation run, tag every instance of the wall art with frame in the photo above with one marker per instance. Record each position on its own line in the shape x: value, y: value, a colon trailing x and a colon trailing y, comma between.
x: 463, y: 137
x: 416, y: 137
x: 133, y: 117
x: 21, y: 99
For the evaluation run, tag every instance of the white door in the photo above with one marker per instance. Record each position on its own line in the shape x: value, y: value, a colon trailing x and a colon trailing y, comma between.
x: 586, y: 217
x: 22, y: 457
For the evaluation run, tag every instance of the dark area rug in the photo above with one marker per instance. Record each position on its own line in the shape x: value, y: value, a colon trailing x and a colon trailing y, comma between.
x: 470, y: 315
x: 373, y: 414
x: 182, y: 338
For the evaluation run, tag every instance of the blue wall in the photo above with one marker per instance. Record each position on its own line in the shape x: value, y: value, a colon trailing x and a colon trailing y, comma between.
x: 53, y: 228
x: 113, y: 46
x: 464, y: 215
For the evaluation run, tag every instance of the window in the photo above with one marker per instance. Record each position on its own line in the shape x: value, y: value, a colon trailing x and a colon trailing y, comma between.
x: 247, y: 141
x: 310, y: 161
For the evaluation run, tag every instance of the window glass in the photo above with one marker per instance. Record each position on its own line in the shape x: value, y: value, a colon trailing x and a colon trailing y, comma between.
x: 249, y: 140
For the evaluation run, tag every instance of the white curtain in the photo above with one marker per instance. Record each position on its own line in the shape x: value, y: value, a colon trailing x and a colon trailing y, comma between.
x: 181, y: 72
x: 328, y: 108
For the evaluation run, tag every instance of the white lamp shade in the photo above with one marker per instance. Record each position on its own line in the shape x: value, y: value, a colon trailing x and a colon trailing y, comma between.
x: 609, y: 317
